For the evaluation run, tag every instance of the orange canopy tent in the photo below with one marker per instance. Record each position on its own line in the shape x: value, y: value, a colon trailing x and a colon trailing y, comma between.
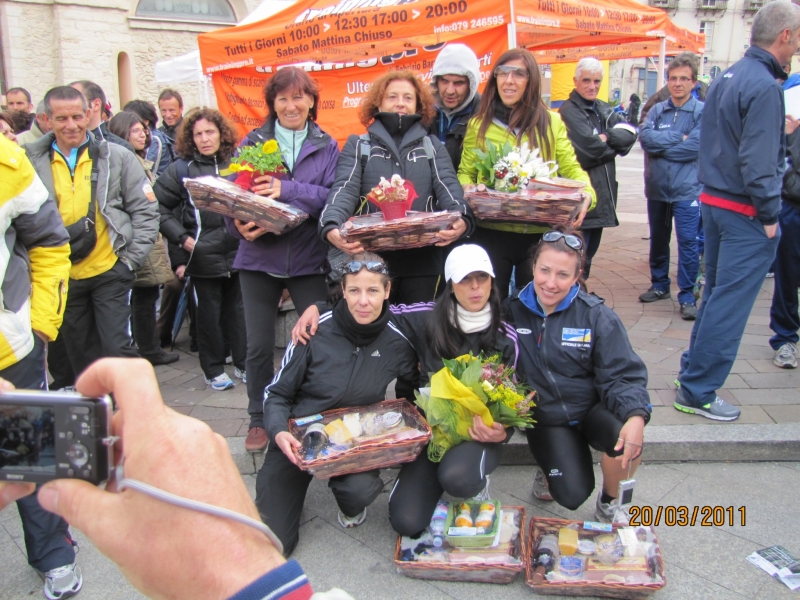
x: 351, y: 42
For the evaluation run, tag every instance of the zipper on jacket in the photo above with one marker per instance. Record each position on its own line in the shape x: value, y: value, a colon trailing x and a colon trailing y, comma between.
x: 548, y: 372
x: 60, y: 297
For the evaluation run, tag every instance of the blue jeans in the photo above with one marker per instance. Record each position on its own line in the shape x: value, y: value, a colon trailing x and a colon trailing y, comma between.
x: 687, y: 223
x: 783, y: 317
x: 738, y: 254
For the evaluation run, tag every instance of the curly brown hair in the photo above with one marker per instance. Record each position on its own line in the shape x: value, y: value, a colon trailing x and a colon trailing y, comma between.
x: 426, y: 105
x: 184, y: 138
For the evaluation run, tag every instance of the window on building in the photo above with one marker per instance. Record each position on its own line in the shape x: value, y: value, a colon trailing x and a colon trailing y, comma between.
x: 707, y: 27
x: 217, y: 11
x: 709, y: 3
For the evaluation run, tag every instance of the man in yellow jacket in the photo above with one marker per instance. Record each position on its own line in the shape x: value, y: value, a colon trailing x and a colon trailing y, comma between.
x: 34, y: 257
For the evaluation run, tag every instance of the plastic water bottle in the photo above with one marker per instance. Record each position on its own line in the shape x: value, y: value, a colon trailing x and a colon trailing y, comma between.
x: 437, y: 523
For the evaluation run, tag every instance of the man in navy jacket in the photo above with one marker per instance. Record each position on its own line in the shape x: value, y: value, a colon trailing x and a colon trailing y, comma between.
x: 670, y: 135
x: 742, y: 155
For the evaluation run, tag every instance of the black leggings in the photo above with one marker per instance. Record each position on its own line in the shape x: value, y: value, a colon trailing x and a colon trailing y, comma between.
x: 507, y: 250
x: 419, y: 485
x: 261, y: 293
x: 563, y: 453
x: 281, y: 491
x: 592, y: 238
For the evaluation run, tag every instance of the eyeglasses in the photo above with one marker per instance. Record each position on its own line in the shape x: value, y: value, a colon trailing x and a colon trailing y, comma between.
x: 679, y: 79
x: 573, y: 241
x: 506, y: 71
x: 354, y: 266
x: 137, y: 130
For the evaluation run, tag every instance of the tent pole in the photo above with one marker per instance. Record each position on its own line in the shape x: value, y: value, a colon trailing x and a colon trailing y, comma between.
x: 512, y: 29
x: 662, y: 57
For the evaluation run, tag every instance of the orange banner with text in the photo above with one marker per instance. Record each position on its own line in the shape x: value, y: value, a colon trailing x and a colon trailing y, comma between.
x: 240, y: 95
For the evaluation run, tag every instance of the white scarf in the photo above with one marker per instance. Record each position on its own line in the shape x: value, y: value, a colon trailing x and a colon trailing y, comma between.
x: 470, y: 322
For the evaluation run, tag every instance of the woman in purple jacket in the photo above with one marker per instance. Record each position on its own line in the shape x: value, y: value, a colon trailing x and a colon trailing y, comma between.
x: 296, y: 260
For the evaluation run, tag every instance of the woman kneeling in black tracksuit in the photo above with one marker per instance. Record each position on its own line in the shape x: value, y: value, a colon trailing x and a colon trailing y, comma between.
x: 350, y: 362
x: 465, y: 319
x: 590, y: 384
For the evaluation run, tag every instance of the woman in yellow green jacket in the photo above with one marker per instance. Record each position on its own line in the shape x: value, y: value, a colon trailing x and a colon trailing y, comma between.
x: 512, y: 111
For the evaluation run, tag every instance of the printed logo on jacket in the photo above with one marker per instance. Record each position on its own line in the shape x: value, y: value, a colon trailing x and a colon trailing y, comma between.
x: 576, y: 338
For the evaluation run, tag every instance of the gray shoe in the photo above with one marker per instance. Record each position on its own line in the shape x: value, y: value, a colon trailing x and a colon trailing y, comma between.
x: 541, y: 489
x: 62, y: 582
x: 653, y: 294
x: 718, y: 410
x: 610, y: 513
x: 688, y: 311
x: 786, y: 356
x: 483, y: 495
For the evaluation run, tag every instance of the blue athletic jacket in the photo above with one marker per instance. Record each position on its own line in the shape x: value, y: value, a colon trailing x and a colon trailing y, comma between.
x: 577, y: 356
x: 742, y: 142
x: 670, y: 167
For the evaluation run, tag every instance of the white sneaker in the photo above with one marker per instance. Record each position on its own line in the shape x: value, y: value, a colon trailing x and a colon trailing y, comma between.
x: 348, y: 522
x: 62, y: 582
x: 786, y: 356
x: 240, y: 374
x: 610, y: 512
x: 220, y: 383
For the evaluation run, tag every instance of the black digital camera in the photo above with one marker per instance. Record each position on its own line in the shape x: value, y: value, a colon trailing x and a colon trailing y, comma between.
x: 54, y: 435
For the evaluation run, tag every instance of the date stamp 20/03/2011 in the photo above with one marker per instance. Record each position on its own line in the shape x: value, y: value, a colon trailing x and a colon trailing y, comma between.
x: 683, y: 516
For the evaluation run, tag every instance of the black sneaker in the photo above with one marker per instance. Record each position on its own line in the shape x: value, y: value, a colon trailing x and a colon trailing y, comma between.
x: 162, y: 358
x: 653, y: 294
x: 688, y: 311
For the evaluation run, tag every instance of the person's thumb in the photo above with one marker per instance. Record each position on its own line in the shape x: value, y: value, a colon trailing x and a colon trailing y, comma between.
x: 79, y: 502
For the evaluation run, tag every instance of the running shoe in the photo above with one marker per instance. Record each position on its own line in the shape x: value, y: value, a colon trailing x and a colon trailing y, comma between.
x: 220, y: 383
x: 62, y: 582
x: 786, y: 356
x: 541, y: 489
x: 718, y: 410
x: 610, y: 512
x: 240, y: 374
x: 348, y: 522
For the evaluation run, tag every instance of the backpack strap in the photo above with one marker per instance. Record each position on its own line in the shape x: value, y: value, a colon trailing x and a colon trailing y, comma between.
x: 365, y: 147
x: 428, y: 145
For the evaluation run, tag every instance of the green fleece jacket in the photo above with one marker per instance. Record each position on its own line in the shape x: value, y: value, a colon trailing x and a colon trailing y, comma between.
x: 568, y: 165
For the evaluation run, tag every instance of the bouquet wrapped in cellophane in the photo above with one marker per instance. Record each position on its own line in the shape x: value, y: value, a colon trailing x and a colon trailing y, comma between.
x: 472, y: 385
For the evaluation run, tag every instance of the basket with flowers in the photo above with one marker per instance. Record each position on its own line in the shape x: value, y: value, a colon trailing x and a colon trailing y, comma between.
x: 472, y: 385
x: 517, y: 185
x: 256, y: 160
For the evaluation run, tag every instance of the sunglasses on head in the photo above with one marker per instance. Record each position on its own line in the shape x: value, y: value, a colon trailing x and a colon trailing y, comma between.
x: 354, y: 266
x: 507, y: 70
x: 573, y: 241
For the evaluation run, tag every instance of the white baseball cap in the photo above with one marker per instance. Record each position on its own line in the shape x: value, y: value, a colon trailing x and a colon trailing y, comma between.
x: 464, y: 260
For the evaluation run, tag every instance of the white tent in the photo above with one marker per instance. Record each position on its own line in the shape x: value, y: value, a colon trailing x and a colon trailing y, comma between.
x: 187, y: 68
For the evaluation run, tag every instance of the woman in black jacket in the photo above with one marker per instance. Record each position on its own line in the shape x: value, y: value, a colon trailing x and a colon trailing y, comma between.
x: 206, y: 142
x: 465, y: 318
x: 396, y: 113
x: 356, y: 353
x: 590, y: 384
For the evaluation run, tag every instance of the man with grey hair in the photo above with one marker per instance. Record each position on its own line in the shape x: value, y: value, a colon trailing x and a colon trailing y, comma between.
x: 742, y: 155
x: 598, y: 135
x: 38, y: 129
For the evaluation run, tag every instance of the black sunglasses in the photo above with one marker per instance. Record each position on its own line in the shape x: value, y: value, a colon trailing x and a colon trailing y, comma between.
x: 573, y: 241
x: 354, y: 266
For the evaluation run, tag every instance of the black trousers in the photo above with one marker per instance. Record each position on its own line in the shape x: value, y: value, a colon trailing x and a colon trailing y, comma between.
x: 410, y: 290
x: 563, y: 453
x: 97, y: 317
x: 419, y: 485
x: 281, y: 491
x: 143, y: 320
x: 261, y: 293
x: 221, y: 317
x: 58, y: 364
x: 508, y: 250
x: 47, y: 537
x: 592, y: 239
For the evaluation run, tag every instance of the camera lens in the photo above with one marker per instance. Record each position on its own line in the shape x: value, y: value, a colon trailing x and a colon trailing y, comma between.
x: 78, y: 455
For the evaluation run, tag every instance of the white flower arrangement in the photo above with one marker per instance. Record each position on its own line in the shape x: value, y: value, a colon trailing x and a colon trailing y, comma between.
x: 512, y: 169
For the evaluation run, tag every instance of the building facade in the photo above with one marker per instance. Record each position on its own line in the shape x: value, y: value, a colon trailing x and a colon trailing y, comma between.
x: 115, y: 43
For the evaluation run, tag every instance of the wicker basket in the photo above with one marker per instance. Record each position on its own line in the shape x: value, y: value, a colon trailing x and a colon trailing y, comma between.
x: 478, y: 573
x: 226, y: 198
x: 416, y: 230
x: 367, y: 456
x: 629, y: 591
x: 526, y: 206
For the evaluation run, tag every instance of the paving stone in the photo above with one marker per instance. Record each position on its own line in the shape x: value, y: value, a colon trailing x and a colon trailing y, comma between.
x: 783, y: 413
x: 767, y: 396
x: 668, y: 415
x: 211, y: 413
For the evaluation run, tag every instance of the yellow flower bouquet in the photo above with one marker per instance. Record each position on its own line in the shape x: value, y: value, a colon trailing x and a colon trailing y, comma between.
x: 472, y: 385
x: 256, y: 160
